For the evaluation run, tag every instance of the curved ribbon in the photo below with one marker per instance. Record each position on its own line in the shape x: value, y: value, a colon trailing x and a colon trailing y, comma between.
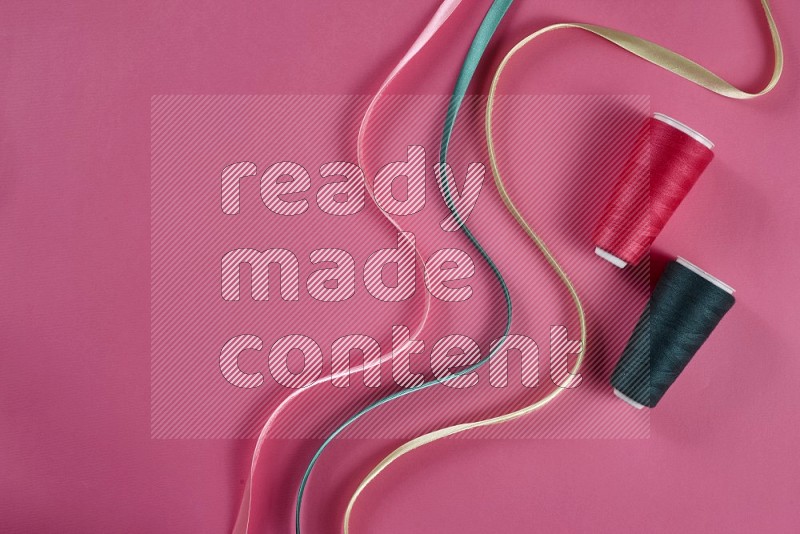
x: 243, y: 520
x: 646, y: 50
x: 484, y: 33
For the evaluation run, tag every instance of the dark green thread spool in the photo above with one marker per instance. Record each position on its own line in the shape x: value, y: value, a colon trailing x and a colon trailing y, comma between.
x: 685, y: 307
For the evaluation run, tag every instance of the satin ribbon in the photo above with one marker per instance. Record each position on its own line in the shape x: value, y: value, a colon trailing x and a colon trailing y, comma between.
x: 244, y: 518
x: 484, y: 33
x: 644, y: 49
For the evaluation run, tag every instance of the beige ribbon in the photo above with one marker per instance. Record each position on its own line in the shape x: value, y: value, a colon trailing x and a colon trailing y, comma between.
x: 648, y: 51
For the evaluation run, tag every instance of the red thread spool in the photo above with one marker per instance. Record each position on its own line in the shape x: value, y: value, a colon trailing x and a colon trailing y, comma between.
x: 667, y: 160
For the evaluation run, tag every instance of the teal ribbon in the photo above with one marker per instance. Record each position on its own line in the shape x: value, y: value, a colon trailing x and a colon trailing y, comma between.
x: 482, y: 37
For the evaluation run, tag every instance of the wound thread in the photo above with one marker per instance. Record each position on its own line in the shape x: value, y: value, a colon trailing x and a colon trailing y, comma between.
x: 685, y: 307
x: 667, y: 159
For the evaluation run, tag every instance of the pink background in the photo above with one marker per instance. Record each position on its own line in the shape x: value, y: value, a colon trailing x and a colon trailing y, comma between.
x: 76, y: 452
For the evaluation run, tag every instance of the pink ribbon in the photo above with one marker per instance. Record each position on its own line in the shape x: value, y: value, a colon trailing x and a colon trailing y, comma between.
x: 244, y: 519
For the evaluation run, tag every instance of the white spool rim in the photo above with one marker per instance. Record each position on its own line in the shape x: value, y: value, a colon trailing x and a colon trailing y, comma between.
x: 697, y: 136
x: 713, y: 279
x: 627, y: 399
x: 619, y: 262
